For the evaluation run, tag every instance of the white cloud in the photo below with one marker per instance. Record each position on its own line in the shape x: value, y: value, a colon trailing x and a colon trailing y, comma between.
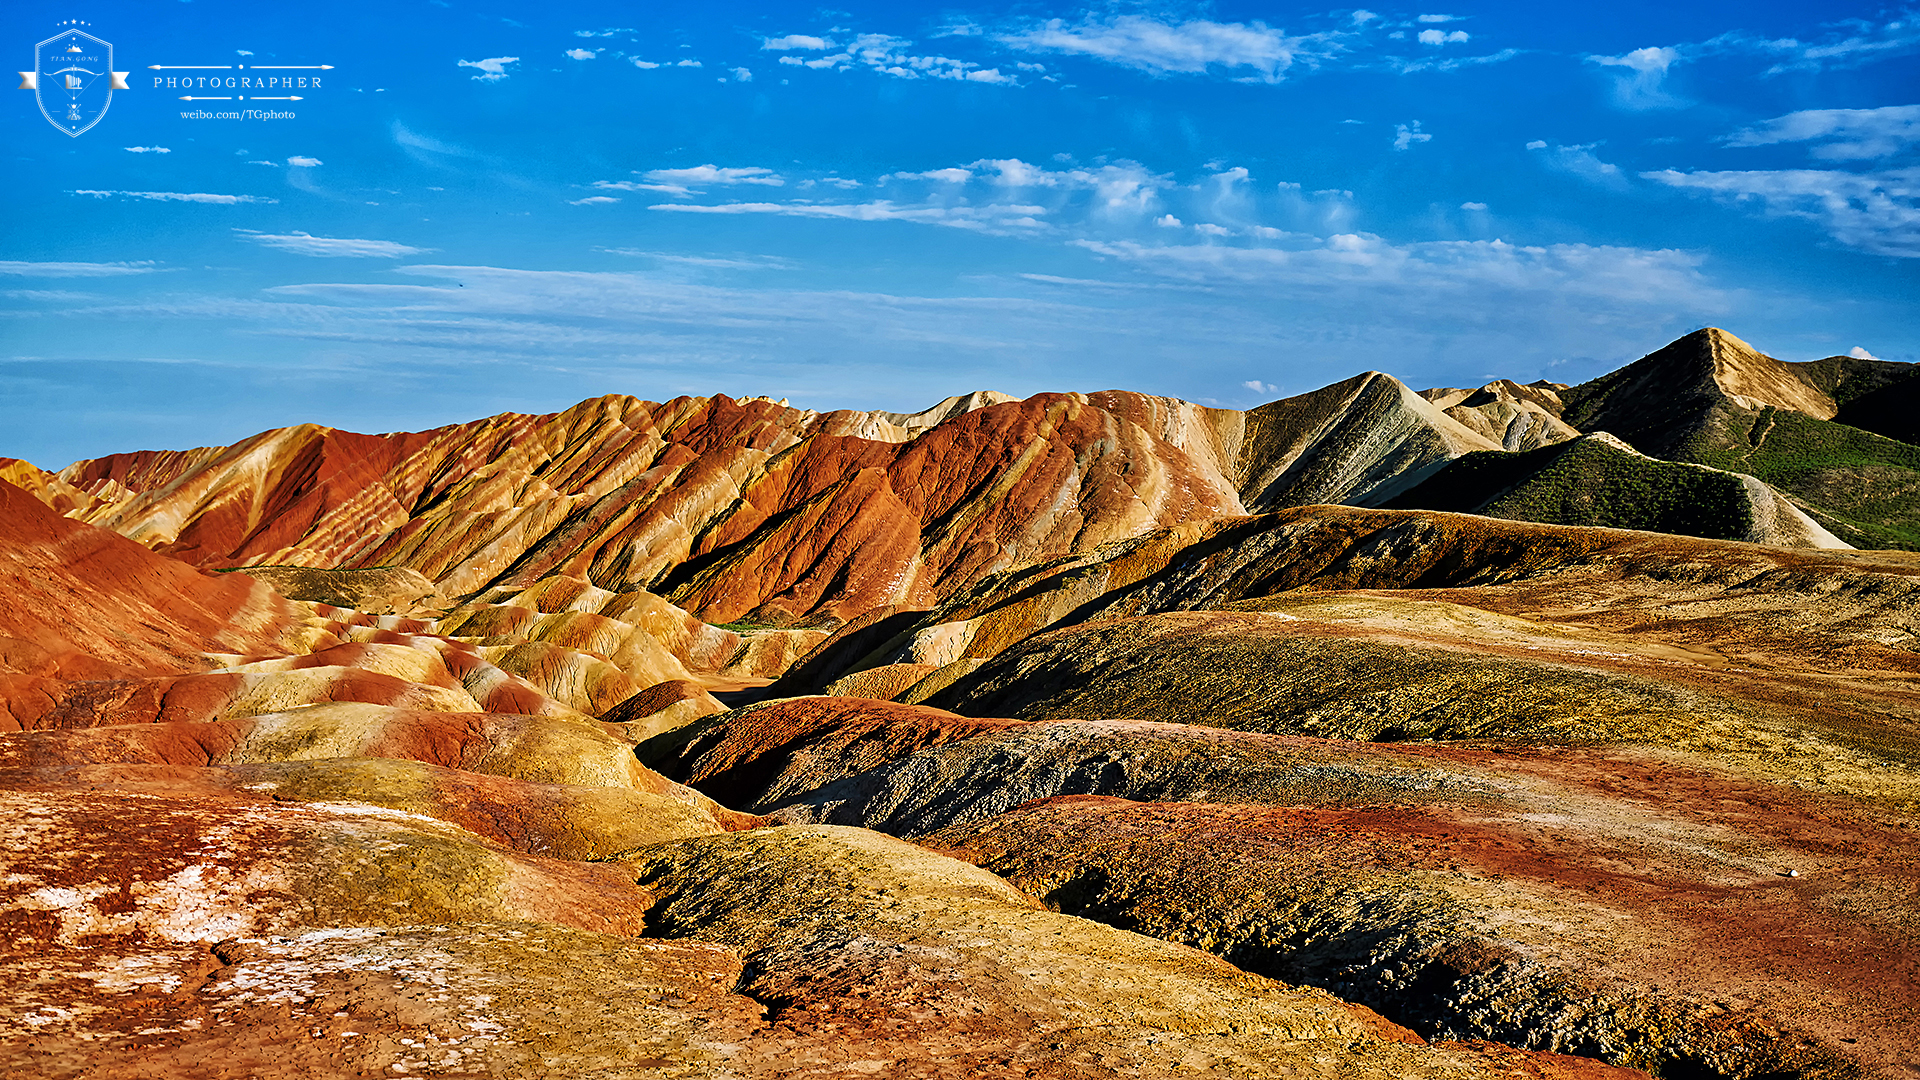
x: 1476, y: 206
x: 945, y: 176
x: 632, y: 185
x: 1852, y: 43
x: 997, y: 218
x: 1012, y: 172
x: 304, y: 162
x: 741, y: 74
x: 805, y: 42
x: 1361, y: 16
x: 1118, y: 190
x: 688, y: 63
x: 682, y: 181
x: 581, y: 54
x: 492, y: 69
x: 610, y: 32
x: 1640, y: 81
x: 301, y: 243
x: 1439, y: 18
x: 643, y: 65
x: 1848, y: 134
x: 179, y: 196
x: 1406, y: 135
x: 1873, y: 212
x: 1405, y: 66
x: 593, y: 200
x: 426, y: 149
x: 244, y: 52
x: 73, y: 269
x: 1168, y: 221
x: 1259, y: 387
x: 890, y: 55
x: 1164, y: 48
x: 1859, y: 352
x: 1438, y: 268
x: 1207, y: 228
x: 147, y: 150
x: 1442, y: 37
x: 1582, y: 162
x: 707, y: 262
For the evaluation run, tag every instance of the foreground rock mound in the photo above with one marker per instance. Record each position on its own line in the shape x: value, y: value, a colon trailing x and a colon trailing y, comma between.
x: 1377, y: 905
x: 1623, y: 902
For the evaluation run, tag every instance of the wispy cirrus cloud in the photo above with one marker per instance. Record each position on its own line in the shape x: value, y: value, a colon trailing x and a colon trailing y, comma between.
x: 179, y: 196
x: 1120, y: 189
x: 1844, y: 134
x: 705, y: 262
x: 1580, y: 160
x: 1624, y: 275
x: 1256, y: 51
x: 635, y: 185
x: 1005, y: 196
x: 1849, y: 43
x: 1408, y: 66
x: 1873, y: 212
x: 16, y: 268
x: 991, y: 218
x: 300, y: 243
x: 684, y: 181
x: 147, y: 150
x: 885, y: 54
x: 1641, y: 74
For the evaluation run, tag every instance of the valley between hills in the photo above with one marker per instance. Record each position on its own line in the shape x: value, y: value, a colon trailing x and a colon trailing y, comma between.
x: 1528, y: 730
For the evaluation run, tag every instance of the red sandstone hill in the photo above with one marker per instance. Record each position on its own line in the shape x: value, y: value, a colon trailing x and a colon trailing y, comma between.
x: 1106, y: 742
x: 749, y: 509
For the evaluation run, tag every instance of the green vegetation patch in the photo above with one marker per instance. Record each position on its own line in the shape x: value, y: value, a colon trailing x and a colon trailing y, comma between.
x: 1862, y: 486
x: 1588, y: 483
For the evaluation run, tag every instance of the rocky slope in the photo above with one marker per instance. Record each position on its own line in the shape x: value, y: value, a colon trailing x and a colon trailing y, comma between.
x: 1712, y: 399
x: 1599, y: 480
x: 1089, y: 735
x: 752, y: 510
x: 1515, y: 416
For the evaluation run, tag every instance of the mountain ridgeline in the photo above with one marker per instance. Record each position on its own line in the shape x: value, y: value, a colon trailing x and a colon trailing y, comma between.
x: 1468, y: 734
x: 753, y: 511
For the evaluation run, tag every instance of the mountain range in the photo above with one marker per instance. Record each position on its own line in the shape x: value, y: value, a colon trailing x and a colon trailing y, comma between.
x: 1568, y: 732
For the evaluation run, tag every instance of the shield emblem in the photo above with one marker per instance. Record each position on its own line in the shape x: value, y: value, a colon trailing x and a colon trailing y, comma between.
x: 74, y: 80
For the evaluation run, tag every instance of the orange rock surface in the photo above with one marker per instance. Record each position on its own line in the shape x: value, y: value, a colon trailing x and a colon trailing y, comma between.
x: 500, y: 749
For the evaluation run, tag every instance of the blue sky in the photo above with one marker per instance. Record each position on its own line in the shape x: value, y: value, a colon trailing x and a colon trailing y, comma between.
x: 490, y: 207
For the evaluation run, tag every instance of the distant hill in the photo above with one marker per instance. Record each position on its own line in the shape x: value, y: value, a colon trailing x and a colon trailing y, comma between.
x: 1826, y: 432
x: 1598, y: 480
x: 1515, y: 416
x: 752, y: 512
